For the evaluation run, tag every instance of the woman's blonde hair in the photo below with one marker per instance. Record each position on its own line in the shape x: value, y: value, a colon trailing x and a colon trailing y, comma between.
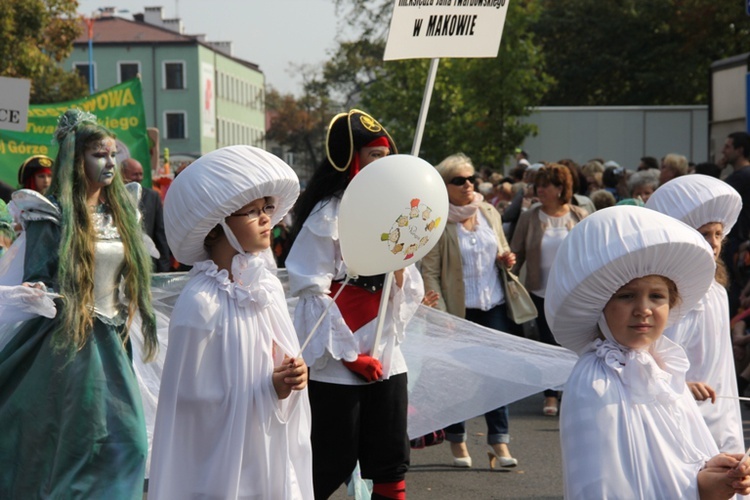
x: 452, y: 164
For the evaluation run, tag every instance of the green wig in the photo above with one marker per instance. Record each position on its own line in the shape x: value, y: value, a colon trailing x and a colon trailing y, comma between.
x: 76, y: 132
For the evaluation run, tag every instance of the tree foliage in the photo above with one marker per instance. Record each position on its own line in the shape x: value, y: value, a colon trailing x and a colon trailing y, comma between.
x: 476, y: 103
x: 300, y: 123
x: 553, y: 52
x: 637, y: 52
x: 35, y: 37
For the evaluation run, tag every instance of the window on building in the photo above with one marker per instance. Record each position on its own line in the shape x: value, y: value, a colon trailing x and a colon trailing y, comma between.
x: 176, y: 124
x: 83, y: 70
x: 128, y: 70
x: 174, y: 75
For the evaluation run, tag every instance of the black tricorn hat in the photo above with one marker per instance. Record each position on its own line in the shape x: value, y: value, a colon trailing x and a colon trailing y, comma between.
x: 31, y: 165
x: 348, y: 132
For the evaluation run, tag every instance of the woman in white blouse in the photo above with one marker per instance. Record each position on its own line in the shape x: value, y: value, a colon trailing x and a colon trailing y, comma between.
x: 463, y: 268
x: 538, y: 235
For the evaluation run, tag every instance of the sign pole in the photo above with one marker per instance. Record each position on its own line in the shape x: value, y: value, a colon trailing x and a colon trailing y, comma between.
x: 429, y: 85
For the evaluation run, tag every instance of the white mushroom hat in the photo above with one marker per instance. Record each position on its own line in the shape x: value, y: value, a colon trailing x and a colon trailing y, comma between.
x: 218, y: 184
x: 612, y: 247
x: 697, y: 200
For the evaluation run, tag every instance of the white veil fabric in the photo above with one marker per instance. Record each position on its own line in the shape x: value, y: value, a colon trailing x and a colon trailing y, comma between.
x: 457, y: 369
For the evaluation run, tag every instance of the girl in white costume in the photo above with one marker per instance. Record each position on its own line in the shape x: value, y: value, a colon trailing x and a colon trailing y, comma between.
x: 233, y: 419
x: 629, y: 426
x: 711, y: 206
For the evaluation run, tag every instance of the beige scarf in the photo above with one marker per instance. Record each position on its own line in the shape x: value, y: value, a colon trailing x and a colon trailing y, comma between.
x: 461, y: 213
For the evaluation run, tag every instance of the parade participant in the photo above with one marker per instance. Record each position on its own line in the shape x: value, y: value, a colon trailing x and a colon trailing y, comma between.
x: 711, y: 206
x: 358, y: 396
x: 233, y: 420
x: 70, y: 409
x: 36, y: 173
x: 463, y: 267
x: 629, y: 426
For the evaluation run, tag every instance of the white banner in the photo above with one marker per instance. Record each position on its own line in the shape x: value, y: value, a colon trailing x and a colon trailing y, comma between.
x: 427, y: 29
x: 208, y: 101
x: 14, y: 103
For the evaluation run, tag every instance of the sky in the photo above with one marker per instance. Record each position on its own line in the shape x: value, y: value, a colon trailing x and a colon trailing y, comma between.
x: 270, y: 33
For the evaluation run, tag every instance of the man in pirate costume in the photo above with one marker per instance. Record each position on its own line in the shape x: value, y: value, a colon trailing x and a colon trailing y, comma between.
x: 358, y: 391
x: 36, y: 173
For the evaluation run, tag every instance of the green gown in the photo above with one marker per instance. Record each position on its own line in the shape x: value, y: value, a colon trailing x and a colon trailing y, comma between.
x: 71, y: 423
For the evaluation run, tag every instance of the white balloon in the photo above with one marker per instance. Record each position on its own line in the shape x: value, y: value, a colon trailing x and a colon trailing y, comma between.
x: 392, y: 213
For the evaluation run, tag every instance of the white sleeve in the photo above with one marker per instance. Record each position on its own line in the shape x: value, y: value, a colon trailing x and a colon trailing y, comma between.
x: 313, y: 262
x: 21, y: 303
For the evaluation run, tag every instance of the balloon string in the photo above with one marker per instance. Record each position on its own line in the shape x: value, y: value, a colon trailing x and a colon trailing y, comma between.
x: 323, y: 315
x: 734, y: 397
x: 381, y: 313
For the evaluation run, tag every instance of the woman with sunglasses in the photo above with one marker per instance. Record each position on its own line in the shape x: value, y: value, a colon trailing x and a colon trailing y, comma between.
x: 539, y: 233
x: 462, y: 267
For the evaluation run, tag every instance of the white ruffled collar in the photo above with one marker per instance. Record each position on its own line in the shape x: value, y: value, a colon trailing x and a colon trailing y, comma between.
x: 653, y: 374
x: 253, y: 281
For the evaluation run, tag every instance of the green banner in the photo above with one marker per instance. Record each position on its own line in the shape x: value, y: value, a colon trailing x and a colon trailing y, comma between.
x: 119, y: 108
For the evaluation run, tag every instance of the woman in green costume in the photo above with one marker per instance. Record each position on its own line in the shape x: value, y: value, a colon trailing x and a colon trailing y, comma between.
x: 70, y: 409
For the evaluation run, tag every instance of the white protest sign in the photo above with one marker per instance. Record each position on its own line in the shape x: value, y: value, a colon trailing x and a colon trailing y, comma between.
x: 427, y: 29
x: 14, y: 103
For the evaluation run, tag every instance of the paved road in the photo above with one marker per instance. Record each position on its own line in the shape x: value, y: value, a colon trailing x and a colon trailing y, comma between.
x: 535, y: 442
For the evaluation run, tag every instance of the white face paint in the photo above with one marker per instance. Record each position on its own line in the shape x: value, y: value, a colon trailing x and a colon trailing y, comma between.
x: 99, y: 162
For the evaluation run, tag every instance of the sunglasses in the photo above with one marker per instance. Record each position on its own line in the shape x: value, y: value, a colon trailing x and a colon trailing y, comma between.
x: 460, y: 181
x: 254, y: 213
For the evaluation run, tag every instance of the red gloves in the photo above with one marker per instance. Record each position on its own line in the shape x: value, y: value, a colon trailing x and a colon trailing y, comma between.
x: 365, y: 367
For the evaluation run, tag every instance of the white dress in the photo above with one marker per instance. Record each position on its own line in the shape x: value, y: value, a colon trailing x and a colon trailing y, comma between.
x: 705, y: 335
x: 313, y: 263
x: 221, y: 432
x: 629, y: 427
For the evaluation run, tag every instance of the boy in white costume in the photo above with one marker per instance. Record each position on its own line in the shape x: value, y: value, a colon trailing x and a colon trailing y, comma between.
x: 711, y: 207
x: 233, y: 419
x: 629, y: 426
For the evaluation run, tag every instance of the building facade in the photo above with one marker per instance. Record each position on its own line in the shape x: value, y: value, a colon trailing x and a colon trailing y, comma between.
x: 195, y: 92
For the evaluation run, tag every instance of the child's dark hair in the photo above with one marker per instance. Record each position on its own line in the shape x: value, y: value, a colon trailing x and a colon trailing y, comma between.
x: 325, y: 183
